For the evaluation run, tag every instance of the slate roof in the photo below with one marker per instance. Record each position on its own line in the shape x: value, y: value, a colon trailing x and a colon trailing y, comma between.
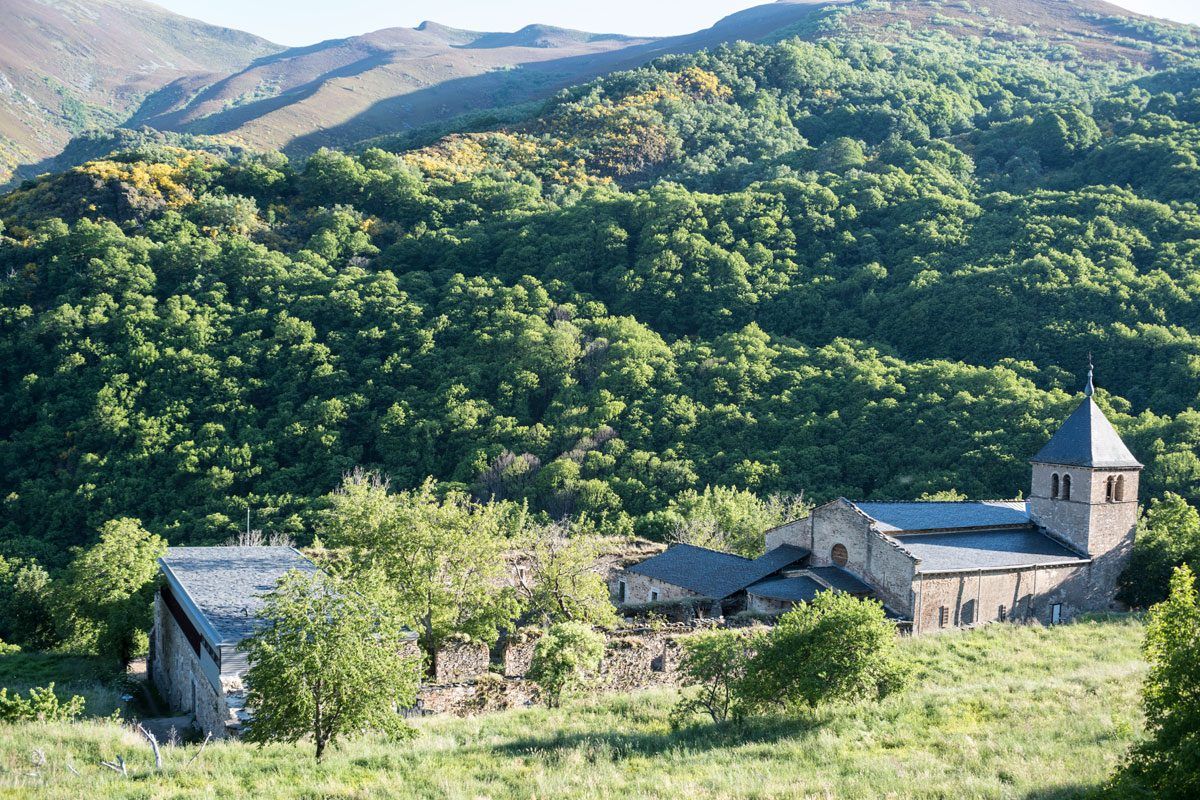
x: 714, y: 574
x: 973, y: 550
x: 222, y: 584
x: 935, y: 515
x: 796, y: 589
x: 1087, y: 439
x: 841, y: 580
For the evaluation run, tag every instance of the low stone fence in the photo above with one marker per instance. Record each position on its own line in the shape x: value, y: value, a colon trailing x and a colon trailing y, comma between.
x: 634, y: 658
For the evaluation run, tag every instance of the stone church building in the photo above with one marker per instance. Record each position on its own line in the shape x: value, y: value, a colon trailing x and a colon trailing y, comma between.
x: 940, y: 565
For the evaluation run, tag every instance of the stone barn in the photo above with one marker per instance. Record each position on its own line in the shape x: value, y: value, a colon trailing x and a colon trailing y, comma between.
x: 207, y: 603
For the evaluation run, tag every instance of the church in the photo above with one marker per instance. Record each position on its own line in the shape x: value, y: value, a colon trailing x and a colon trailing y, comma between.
x: 937, y: 565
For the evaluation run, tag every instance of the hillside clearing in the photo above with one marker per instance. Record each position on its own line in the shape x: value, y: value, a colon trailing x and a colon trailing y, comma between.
x: 999, y: 712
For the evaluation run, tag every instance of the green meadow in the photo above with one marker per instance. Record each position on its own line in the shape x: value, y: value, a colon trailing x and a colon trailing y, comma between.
x: 999, y: 712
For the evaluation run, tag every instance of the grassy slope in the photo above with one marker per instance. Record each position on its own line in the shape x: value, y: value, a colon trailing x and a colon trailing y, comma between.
x: 1000, y: 712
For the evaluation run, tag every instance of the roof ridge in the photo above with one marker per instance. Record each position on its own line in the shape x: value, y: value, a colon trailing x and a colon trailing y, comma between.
x: 946, y: 502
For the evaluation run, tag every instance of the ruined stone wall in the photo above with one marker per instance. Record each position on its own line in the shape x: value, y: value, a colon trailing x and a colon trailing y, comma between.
x: 1027, y: 595
x: 518, y: 655
x: 177, y: 675
x: 477, y: 697
x: 461, y: 661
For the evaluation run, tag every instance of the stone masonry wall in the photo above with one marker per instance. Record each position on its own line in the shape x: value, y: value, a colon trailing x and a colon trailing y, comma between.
x: 461, y: 661
x: 638, y: 588
x: 975, y: 598
x: 798, y: 533
x: 879, y: 562
x: 178, y: 678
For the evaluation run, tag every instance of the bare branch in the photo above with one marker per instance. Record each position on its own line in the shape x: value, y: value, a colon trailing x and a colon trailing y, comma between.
x: 200, y: 752
x: 150, y: 737
x: 117, y: 766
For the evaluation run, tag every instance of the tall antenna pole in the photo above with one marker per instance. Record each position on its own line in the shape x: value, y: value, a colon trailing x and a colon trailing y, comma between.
x: 247, y: 517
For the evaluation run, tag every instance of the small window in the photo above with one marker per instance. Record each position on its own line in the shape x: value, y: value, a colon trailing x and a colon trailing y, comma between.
x: 1002, y: 613
x: 654, y: 595
x: 1066, y: 487
x: 620, y: 591
x: 1054, y: 486
x: 943, y: 616
x: 839, y: 555
x: 1056, y: 613
x: 1119, y: 491
x: 966, y: 615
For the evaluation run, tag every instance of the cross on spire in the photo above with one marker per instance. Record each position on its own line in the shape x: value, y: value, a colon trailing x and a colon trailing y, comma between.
x: 1090, y: 388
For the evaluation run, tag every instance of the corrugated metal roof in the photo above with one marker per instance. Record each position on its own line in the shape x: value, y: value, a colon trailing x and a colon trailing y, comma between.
x: 972, y: 550
x: 796, y: 589
x: 935, y: 515
x: 714, y: 574
x: 841, y: 579
x: 224, y: 584
x: 1087, y: 439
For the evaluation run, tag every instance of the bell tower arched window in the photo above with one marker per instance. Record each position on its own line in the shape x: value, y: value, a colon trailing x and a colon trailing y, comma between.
x: 1110, y: 487
x: 1066, y: 487
x: 1119, y: 489
x: 1054, y: 486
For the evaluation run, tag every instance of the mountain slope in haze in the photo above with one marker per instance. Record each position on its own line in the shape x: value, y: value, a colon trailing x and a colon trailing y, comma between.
x: 69, y: 65
x: 340, y: 92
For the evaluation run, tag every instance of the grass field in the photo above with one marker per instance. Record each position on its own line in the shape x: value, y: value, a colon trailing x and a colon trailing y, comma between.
x: 999, y: 712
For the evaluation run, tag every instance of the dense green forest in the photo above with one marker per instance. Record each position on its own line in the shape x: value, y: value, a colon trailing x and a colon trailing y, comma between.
x: 842, y: 264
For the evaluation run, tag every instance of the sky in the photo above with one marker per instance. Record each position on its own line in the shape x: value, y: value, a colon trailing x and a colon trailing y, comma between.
x: 301, y: 22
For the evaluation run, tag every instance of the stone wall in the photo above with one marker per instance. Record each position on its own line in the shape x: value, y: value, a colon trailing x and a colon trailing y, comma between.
x: 518, y: 654
x: 798, y: 533
x: 175, y: 670
x: 875, y: 559
x: 1028, y: 595
x: 638, y: 588
x: 477, y: 697
x: 461, y: 661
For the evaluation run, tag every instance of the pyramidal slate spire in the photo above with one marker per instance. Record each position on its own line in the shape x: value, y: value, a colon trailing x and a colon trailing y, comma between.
x: 1087, y: 438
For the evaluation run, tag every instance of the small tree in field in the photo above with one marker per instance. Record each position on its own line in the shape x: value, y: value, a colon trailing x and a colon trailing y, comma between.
x: 715, y: 663
x: 328, y: 663
x: 835, y: 648
x: 1167, y: 764
x: 564, y: 659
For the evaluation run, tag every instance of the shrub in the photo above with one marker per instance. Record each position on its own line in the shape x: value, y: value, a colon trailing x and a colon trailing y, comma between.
x: 1167, y: 764
x: 836, y: 647
x: 564, y: 659
x: 42, y: 705
x: 8, y: 649
x: 715, y: 663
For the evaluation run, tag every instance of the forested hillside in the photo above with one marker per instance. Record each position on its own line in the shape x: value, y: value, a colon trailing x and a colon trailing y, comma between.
x: 867, y: 260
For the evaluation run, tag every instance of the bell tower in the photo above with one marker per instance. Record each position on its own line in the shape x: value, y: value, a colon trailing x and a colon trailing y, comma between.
x: 1085, y: 489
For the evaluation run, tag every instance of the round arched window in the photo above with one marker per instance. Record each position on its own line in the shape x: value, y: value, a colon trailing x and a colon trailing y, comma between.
x: 839, y: 555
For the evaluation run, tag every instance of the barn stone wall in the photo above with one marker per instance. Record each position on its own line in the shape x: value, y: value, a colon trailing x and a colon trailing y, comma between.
x: 175, y: 670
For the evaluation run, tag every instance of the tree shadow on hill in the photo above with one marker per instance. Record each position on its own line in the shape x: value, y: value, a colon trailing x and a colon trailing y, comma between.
x: 700, y: 737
